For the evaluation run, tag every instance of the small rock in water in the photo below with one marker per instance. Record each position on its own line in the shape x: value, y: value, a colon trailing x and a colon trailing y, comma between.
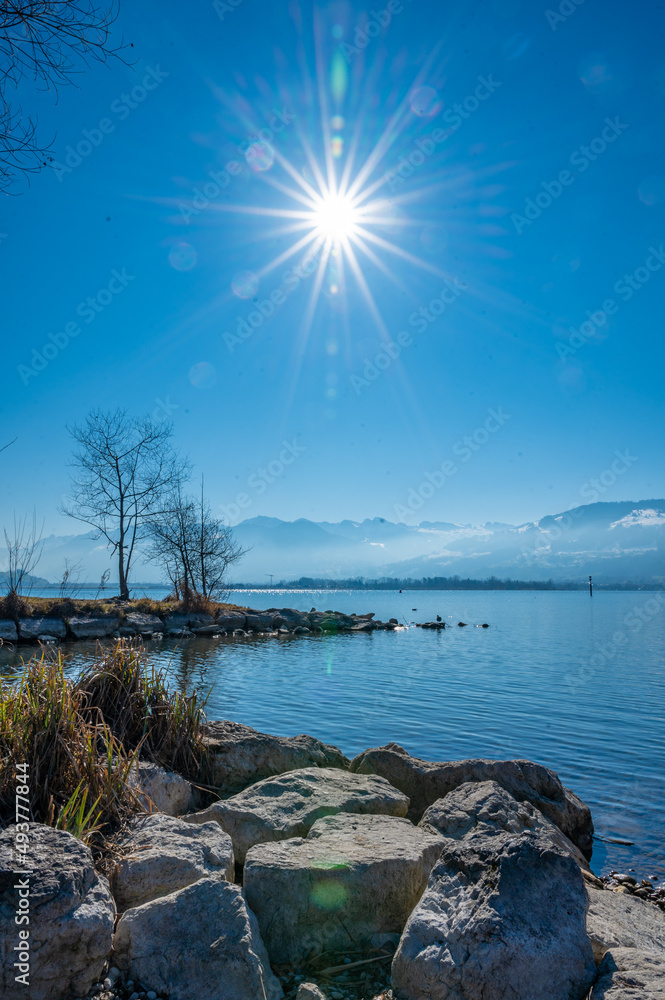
x: 151, y: 995
x: 461, y: 624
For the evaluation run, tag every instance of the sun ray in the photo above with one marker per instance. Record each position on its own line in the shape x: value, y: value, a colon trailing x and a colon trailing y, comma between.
x: 383, y: 267
x: 404, y: 254
x: 309, y: 237
x: 364, y: 288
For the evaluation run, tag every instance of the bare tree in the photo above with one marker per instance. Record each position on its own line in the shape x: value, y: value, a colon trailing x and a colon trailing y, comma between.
x: 46, y: 41
x: 125, y: 474
x: 24, y: 550
x: 194, y: 548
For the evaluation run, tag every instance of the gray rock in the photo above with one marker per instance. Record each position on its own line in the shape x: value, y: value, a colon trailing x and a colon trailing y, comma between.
x: 481, y: 809
x: 93, y: 628
x: 202, y: 941
x: 231, y: 620
x: 161, y: 854
x: 288, y: 805
x: 165, y: 791
x: 242, y: 756
x: 199, y: 620
x: 71, y: 915
x: 260, y: 621
x: 143, y: 624
x: 501, y: 919
x: 31, y: 628
x: 8, y: 631
x: 290, y: 618
x: 425, y: 782
x: 630, y: 974
x: 309, y: 991
x: 353, y: 877
x: 617, y: 920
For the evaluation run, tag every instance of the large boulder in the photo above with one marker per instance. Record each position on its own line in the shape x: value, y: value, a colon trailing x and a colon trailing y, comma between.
x: 425, y: 782
x: 289, y: 804
x: 630, y: 974
x: 161, y: 790
x: 32, y: 628
x: 70, y: 910
x: 8, y: 631
x: 481, y: 809
x: 230, y: 620
x: 242, y: 756
x: 353, y: 877
x: 617, y: 920
x: 93, y: 628
x: 202, y: 941
x: 500, y: 918
x: 143, y: 624
x: 161, y: 854
x: 289, y: 618
x: 259, y: 621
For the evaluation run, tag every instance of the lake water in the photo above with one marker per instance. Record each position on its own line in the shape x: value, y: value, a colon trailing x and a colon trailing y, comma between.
x: 572, y: 682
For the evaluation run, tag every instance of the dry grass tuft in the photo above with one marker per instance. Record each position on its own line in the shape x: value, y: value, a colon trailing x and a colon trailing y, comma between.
x: 80, y: 738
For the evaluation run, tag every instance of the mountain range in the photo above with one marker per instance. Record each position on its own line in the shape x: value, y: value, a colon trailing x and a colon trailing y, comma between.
x: 616, y: 542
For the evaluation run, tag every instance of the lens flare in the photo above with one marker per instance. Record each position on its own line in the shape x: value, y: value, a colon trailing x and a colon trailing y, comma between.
x: 245, y: 285
x: 260, y: 156
x: 182, y: 257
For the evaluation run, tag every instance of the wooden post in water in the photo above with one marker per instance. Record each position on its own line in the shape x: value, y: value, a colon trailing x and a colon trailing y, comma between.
x: 590, y: 588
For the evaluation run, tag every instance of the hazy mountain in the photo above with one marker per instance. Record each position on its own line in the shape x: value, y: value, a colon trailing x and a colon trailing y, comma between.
x: 616, y: 542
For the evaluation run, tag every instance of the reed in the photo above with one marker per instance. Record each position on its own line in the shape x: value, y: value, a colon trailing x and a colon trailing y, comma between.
x: 80, y: 738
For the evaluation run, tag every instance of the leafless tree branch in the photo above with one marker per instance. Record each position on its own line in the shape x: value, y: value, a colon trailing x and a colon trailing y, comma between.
x: 48, y: 42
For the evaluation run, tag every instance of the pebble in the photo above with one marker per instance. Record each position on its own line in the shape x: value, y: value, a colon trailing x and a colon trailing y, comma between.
x: 151, y: 995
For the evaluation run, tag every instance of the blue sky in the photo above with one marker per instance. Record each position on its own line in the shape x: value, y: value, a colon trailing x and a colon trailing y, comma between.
x: 519, y: 194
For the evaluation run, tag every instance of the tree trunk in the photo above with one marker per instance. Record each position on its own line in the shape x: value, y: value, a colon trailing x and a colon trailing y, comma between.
x: 122, y: 579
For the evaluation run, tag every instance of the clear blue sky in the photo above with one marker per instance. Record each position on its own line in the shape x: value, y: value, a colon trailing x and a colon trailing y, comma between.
x: 538, y: 94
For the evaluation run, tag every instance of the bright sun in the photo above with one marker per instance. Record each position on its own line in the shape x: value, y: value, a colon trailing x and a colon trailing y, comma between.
x: 335, y: 217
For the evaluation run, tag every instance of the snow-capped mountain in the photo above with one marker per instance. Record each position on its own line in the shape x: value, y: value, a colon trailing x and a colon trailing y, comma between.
x: 616, y: 542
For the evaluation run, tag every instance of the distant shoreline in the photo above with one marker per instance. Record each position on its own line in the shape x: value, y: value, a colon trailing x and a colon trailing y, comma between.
x: 307, y: 583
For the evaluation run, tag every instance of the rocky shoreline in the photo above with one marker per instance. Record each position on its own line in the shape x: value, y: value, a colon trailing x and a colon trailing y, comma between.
x: 382, y: 876
x: 135, y: 624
